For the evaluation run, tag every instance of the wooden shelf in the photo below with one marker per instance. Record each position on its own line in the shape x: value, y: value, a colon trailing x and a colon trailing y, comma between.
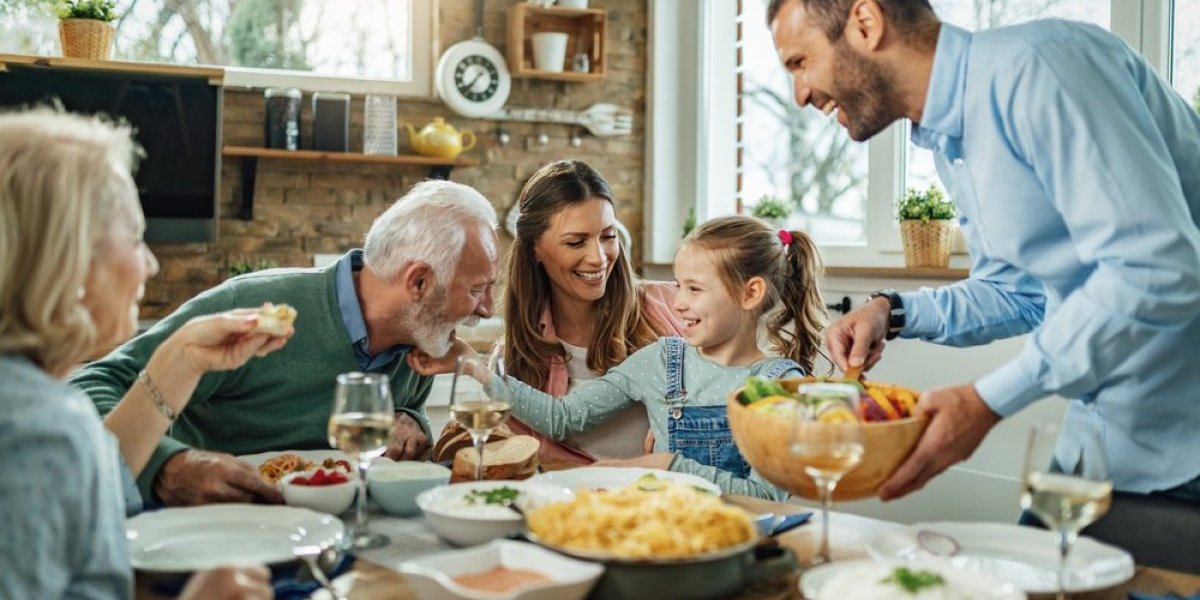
x: 439, y: 168
x: 215, y: 75
x: 349, y: 157
x: 585, y: 29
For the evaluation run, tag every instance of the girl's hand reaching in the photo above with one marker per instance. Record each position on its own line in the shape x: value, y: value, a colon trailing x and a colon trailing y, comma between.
x: 657, y: 460
x: 425, y: 364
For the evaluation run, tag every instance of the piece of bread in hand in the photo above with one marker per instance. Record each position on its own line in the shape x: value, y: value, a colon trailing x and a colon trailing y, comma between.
x: 455, y: 437
x: 275, y: 319
x: 513, y: 458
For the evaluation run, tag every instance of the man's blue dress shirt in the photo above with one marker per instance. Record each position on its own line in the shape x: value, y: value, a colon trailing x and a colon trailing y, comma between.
x: 1076, y: 172
x: 352, y: 317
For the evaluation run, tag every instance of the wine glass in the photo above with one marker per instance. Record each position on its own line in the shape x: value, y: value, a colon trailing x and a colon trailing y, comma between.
x: 482, y: 412
x: 827, y: 450
x: 1065, y: 501
x: 361, y: 425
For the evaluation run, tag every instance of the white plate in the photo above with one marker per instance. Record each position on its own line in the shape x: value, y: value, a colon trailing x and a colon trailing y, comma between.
x: 976, y: 586
x: 463, y: 524
x: 1025, y: 556
x: 177, y: 540
x: 315, y: 456
x: 589, y: 478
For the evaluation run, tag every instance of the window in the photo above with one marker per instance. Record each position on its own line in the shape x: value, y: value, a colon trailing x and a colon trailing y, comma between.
x: 1185, y: 51
x: 842, y: 191
x: 378, y: 46
x: 793, y: 153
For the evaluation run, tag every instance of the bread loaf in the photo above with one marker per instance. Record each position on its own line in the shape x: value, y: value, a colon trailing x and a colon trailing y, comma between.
x: 512, y: 458
x: 455, y: 437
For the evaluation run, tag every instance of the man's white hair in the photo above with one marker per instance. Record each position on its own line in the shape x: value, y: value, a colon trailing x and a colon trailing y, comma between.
x: 427, y: 224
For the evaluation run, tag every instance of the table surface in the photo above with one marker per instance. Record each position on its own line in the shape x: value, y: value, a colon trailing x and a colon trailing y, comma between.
x: 370, y: 580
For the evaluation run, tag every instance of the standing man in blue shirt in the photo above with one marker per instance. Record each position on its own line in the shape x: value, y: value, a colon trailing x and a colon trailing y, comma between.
x: 1076, y: 172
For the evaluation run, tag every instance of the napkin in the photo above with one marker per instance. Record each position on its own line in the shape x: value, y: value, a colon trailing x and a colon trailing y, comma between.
x: 1168, y: 596
x: 289, y: 581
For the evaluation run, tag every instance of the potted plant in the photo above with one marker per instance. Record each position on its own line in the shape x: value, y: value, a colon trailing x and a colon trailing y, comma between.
x: 85, y: 28
x: 927, y: 227
x: 773, y: 209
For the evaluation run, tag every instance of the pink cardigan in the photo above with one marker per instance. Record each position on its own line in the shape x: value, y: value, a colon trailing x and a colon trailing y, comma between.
x: 657, y: 299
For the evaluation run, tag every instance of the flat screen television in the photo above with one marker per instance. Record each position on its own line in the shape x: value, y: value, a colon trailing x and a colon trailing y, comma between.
x: 178, y: 123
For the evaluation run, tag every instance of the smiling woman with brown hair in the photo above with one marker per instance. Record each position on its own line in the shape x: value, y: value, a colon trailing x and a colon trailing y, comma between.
x: 573, y: 307
x: 72, y: 270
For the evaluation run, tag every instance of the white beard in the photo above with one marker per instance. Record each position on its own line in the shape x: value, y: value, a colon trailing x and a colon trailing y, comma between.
x: 428, y: 327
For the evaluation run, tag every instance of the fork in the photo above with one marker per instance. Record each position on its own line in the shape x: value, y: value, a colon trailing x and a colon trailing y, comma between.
x: 601, y: 120
x: 311, y: 555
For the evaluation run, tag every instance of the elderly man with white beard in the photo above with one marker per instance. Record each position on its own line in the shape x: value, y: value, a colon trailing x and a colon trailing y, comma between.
x: 428, y: 266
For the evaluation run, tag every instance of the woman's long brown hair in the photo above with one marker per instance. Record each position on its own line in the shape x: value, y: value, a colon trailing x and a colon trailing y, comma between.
x: 621, y: 325
x: 746, y: 247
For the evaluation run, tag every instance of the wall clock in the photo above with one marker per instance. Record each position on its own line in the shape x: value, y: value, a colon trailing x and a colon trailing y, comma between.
x: 472, y: 76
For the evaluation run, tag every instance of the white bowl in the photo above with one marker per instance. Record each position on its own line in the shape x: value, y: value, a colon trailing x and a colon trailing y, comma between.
x: 832, y: 581
x: 461, y: 524
x: 432, y: 577
x: 395, y: 485
x: 334, y: 499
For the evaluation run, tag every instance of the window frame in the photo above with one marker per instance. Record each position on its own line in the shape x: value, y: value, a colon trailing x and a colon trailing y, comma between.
x: 1144, y: 24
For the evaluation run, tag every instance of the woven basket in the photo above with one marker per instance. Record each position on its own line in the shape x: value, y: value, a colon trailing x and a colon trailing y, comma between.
x: 927, y: 243
x: 86, y: 38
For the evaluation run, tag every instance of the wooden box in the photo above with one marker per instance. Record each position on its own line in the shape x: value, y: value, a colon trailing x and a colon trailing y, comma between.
x: 584, y: 27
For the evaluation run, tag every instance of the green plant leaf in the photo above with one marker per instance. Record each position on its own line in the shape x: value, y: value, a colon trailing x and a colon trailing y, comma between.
x: 772, y: 207
x: 925, y: 205
x: 99, y: 10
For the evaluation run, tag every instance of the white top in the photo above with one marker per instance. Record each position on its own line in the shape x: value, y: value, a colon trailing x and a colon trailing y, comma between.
x: 619, y: 437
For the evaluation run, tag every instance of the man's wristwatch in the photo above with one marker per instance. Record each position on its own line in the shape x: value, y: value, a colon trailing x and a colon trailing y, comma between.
x: 896, y: 317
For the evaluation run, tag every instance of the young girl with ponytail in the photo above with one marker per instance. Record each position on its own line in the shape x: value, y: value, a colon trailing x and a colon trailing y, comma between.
x: 734, y: 274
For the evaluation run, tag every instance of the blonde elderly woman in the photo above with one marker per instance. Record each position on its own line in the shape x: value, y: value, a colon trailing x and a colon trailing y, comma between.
x: 72, y: 267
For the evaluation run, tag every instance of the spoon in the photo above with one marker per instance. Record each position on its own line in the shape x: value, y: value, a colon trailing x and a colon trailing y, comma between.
x: 314, y: 556
x: 937, y: 544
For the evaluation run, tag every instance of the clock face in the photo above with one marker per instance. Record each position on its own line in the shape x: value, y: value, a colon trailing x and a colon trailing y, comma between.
x: 476, y: 78
x: 472, y: 78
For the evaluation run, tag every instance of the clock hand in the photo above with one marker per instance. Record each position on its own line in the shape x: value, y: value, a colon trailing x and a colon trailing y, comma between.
x: 471, y: 85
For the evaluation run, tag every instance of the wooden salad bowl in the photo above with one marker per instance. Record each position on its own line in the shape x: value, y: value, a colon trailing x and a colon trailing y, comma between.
x: 764, y: 439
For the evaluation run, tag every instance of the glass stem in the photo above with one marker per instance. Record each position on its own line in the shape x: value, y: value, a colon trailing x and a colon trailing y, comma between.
x: 360, y: 505
x: 479, y: 440
x: 1064, y: 548
x: 826, y: 486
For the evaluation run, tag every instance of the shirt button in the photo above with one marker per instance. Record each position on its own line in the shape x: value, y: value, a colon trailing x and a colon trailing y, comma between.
x: 963, y: 220
x: 958, y: 162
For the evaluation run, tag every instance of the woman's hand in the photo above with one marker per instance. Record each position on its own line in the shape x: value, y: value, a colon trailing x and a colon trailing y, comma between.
x: 657, y: 460
x: 222, y: 341
x: 425, y: 364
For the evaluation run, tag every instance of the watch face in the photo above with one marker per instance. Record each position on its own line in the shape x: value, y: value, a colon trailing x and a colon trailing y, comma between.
x: 476, y: 78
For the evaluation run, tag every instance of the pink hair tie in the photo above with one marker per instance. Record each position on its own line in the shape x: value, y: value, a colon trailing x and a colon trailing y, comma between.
x: 785, y: 236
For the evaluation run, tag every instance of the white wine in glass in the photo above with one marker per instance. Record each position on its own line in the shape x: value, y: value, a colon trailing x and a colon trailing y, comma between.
x: 480, y: 414
x: 361, y: 425
x: 1065, y: 502
x: 827, y: 451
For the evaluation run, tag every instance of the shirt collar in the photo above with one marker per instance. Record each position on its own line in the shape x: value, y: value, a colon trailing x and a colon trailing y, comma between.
x: 941, y: 126
x: 352, y: 317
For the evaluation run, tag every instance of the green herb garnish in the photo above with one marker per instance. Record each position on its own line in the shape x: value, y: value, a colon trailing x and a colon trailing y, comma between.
x: 914, y: 581
x: 502, y: 496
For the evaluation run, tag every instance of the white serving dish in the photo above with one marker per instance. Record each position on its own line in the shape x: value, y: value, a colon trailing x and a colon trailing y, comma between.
x: 1025, y: 556
x: 591, y: 478
x: 181, y: 540
x: 432, y: 577
x: 334, y: 499
x: 828, y: 581
x: 463, y: 525
x: 396, y: 484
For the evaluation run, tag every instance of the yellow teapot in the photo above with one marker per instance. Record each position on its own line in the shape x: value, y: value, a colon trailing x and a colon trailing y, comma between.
x: 440, y: 139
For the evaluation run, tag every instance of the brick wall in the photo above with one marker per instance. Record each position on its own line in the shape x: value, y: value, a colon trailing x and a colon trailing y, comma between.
x: 304, y: 208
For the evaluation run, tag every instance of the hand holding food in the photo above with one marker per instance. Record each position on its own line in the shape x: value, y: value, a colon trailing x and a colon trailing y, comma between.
x: 220, y: 342
x: 425, y: 364
x: 275, y: 319
x: 857, y: 339
x: 196, y: 477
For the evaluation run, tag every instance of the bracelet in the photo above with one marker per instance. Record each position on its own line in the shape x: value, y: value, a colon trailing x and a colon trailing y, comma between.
x: 156, y: 396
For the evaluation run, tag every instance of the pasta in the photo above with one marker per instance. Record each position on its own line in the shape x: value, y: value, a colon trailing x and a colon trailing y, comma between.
x: 274, y: 468
x: 671, y: 520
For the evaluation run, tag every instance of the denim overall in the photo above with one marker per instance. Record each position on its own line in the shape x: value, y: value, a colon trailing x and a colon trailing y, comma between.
x: 702, y: 433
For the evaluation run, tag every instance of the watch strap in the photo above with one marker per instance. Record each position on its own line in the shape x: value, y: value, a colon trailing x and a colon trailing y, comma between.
x: 896, y: 314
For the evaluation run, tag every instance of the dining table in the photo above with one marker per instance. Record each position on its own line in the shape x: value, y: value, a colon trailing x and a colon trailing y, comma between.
x: 375, y: 575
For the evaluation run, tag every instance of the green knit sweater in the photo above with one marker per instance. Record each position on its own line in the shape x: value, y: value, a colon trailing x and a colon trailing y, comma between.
x: 278, y: 402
